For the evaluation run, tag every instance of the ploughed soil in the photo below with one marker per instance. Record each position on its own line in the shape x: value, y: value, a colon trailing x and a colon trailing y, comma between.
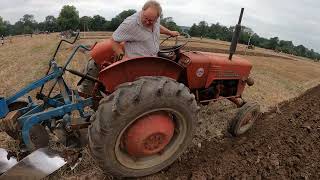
x: 283, y: 144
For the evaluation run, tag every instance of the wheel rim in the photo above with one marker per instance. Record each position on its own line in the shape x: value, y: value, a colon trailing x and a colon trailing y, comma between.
x: 247, y: 121
x: 157, y: 154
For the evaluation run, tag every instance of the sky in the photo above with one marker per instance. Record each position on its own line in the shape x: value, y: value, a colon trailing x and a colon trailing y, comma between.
x: 295, y: 20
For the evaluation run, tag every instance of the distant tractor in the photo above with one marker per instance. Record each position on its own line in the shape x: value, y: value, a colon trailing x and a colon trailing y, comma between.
x: 143, y: 110
x: 251, y: 47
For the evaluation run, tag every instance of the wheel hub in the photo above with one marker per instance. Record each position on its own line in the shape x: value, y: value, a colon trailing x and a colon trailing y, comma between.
x: 154, y: 141
x: 149, y: 135
x: 246, y: 120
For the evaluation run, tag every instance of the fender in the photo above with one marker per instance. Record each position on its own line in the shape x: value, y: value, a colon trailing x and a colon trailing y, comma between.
x: 130, y: 69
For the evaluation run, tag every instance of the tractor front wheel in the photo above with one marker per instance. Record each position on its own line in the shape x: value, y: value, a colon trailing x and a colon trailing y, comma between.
x: 244, y: 119
x: 142, y: 127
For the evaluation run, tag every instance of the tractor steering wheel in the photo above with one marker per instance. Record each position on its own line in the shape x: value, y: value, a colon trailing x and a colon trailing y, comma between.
x: 176, y: 47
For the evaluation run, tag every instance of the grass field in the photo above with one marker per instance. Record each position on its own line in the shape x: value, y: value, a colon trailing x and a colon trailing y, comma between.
x: 278, y: 77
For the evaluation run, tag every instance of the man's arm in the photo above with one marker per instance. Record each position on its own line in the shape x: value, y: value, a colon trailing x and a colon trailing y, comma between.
x: 164, y: 30
x: 122, y: 34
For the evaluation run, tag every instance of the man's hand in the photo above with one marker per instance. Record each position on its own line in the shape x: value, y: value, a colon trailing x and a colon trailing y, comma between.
x: 164, y: 30
x: 116, y: 47
x: 174, y: 33
x: 119, y: 56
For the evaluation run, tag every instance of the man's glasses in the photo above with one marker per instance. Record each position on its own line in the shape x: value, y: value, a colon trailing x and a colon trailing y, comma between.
x: 146, y: 19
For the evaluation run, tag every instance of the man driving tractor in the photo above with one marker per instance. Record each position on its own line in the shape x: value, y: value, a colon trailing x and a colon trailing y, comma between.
x: 140, y: 33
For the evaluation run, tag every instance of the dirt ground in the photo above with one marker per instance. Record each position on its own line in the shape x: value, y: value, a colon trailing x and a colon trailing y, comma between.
x: 280, y: 146
x: 283, y: 144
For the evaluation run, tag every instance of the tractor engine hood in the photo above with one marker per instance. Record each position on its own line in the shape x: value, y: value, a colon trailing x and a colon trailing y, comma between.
x: 206, y: 67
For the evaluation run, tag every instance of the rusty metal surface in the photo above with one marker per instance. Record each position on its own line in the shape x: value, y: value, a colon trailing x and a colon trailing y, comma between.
x: 80, y: 126
x: 9, y: 124
x: 39, y: 136
x: 17, y: 105
x: 37, y: 165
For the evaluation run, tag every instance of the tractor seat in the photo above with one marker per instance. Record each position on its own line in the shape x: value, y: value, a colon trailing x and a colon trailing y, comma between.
x: 164, y: 55
x: 170, y: 56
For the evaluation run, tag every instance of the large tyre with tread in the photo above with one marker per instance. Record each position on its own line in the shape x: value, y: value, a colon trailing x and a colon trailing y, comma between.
x: 121, y: 110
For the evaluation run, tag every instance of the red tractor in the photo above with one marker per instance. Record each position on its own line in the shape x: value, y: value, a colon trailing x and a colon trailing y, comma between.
x: 144, y: 110
x: 149, y: 113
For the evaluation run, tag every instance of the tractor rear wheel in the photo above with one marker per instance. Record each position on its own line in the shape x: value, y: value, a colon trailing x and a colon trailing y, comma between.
x: 142, y: 127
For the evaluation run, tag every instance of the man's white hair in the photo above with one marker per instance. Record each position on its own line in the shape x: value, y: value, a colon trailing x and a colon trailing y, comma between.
x: 153, y: 4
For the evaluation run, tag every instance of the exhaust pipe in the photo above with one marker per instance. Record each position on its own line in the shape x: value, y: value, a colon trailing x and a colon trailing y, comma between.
x: 235, y: 36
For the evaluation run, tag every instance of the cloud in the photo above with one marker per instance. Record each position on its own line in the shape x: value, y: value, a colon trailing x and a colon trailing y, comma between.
x: 287, y: 19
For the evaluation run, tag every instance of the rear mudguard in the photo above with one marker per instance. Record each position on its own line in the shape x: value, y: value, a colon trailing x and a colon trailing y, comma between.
x: 130, y: 69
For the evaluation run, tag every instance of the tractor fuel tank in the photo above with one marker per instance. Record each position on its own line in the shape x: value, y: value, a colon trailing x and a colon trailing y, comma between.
x: 206, y: 67
x: 103, y: 53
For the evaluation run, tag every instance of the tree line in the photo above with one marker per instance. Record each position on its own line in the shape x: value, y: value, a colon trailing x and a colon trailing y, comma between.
x: 69, y: 19
x: 248, y: 36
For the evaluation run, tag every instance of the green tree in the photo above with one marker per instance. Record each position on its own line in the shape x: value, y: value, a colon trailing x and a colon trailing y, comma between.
x: 97, y: 23
x: 2, y: 27
x: 29, y: 24
x: 18, y: 27
x: 194, y: 30
x: 300, y: 50
x: 169, y: 23
x: 203, y: 28
x: 51, y: 24
x: 226, y: 33
x: 263, y: 42
x: 27, y: 30
x: 311, y: 54
x: 245, y: 35
x: 273, y: 43
x: 68, y: 18
x: 85, y: 22
x: 107, y: 26
x: 41, y: 26
x: 286, y: 46
x: 214, y: 31
x: 28, y: 20
x: 116, y: 21
x: 254, y: 39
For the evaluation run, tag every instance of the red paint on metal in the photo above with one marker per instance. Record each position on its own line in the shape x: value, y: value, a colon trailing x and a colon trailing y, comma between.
x: 102, y: 53
x: 149, y: 134
x: 216, y: 67
x: 198, y: 60
x: 129, y: 69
